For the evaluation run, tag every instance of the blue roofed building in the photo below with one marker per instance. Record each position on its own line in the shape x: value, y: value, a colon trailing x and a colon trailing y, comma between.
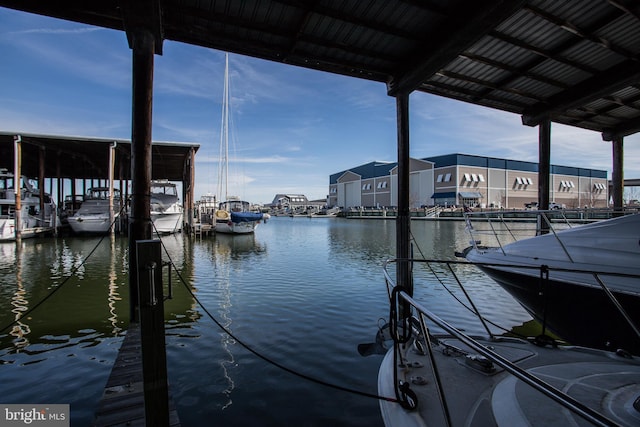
x: 463, y: 179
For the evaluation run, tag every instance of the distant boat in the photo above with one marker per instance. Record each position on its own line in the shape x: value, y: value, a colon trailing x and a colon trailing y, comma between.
x: 233, y: 215
x: 94, y: 215
x: 34, y: 218
x: 166, y: 210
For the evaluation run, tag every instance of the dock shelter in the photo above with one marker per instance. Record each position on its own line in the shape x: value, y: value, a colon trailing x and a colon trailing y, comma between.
x: 60, y: 158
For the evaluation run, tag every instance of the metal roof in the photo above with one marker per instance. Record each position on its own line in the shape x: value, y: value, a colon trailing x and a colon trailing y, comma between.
x: 576, y: 62
x: 81, y: 157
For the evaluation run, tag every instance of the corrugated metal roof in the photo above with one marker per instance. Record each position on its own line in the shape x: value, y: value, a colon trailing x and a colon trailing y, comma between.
x: 575, y: 62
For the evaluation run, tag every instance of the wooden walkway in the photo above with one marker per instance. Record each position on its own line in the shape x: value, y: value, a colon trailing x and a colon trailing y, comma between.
x: 122, y: 403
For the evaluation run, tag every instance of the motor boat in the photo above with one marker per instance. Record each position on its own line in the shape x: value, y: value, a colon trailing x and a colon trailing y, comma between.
x: 97, y: 214
x: 36, y: 216
x: 166, y: 209
x: 582, y: 282
x: 434, y: 374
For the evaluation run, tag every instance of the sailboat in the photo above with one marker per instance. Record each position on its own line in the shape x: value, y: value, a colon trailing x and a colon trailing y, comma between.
x: 233, y: 215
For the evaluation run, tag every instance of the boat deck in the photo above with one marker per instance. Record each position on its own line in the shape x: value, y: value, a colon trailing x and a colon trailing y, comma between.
x: 122, y: 403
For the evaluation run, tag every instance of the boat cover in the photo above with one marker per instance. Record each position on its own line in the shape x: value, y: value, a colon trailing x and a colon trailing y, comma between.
x: 245, y: 216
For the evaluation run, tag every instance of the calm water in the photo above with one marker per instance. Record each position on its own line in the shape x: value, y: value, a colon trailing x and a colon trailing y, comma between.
x: 301, y: 292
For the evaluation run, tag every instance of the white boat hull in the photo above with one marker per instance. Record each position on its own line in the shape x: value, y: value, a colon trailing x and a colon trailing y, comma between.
x: 167, y: 222
x: 90, y: 224
x: 229, y: 227
x: 29, y: 229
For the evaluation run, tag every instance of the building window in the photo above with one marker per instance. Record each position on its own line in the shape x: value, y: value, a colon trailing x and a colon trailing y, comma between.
x: 447, y: 177
x: 481, y: 177
x: 467, y: 177
x: 439, y: 178
x: 519, y: 180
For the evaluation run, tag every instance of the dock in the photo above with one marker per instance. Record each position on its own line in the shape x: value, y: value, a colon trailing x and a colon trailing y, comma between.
x: 122, y: 403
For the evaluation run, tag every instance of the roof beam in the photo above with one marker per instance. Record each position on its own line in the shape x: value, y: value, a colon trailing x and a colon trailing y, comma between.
x: 628, y: 128
x: 471, y: 24
x: 143, y: 15
x: 600, y: 85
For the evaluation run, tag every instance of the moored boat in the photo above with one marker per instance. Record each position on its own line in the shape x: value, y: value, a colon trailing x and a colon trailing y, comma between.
x: 435, y: 374
x: 582, y: 282
x: 96, y: 214
x: 235, y: 216
x: 166, y: 209
x: 34, y: 217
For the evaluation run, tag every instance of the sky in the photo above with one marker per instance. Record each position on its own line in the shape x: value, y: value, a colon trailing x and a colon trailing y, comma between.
x: 291, y: 127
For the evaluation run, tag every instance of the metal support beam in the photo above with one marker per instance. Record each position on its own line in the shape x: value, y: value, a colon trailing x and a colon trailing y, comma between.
x: 544, y: 170
x: 618, y: 174
x: 17, y: 181
x: 403, y: 220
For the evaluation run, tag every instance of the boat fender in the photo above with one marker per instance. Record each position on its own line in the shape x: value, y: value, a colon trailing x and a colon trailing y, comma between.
x: 222, y: 214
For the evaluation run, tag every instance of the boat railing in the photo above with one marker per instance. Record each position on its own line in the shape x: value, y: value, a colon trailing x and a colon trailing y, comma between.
x: 496, y: 229
x: 409, y: 328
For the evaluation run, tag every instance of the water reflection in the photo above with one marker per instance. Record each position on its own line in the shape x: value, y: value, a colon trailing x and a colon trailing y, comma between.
x: 20, y: 305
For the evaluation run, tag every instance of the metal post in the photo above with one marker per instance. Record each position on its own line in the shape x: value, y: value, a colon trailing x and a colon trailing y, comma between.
x: 112, y: 159
x: 544, y: 169
x: 403, y: 220
x: 17, y: 187
x: 617, y: 178
x: 154, y: 357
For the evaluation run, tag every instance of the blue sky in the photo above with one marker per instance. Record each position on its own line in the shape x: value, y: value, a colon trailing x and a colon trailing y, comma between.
x: 291, y: 127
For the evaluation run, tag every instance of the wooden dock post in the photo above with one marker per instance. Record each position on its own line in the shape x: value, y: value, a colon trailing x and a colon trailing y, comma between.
x: 154, y: 357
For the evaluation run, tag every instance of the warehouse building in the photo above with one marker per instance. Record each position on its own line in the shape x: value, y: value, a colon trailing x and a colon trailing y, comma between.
x: 462, y: 179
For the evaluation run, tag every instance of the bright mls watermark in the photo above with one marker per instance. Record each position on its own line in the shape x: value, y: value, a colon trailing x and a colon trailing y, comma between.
x: 34, y: 415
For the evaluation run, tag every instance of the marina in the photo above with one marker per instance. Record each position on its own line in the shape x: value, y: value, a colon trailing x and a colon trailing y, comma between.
x: 302, y: 292
x: 265, y: 329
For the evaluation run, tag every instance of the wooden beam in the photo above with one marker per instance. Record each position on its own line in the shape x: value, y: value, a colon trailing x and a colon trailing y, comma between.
x: 143, y: 15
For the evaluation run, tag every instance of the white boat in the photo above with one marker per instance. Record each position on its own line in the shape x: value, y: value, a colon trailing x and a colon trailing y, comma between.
x: 233, y: 216
x: 583, y: 282
x: 433, y: 374
x: 35, y: 219
x: 166, y: 209
x: 95, y: 216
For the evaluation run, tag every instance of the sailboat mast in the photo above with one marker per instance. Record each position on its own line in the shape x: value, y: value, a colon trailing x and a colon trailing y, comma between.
x: 223, y: 170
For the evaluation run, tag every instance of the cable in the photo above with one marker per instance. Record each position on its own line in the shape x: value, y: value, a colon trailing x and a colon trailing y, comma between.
x: 265, y: 358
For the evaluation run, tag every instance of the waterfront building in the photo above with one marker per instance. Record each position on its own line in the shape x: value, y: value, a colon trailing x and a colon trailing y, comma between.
x: 463, y: 179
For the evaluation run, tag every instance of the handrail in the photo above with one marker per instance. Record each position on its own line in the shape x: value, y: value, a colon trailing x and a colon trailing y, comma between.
x: 523, y: 375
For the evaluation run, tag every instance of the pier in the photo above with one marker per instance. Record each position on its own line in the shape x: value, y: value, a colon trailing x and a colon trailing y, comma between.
x: 122, y: 403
